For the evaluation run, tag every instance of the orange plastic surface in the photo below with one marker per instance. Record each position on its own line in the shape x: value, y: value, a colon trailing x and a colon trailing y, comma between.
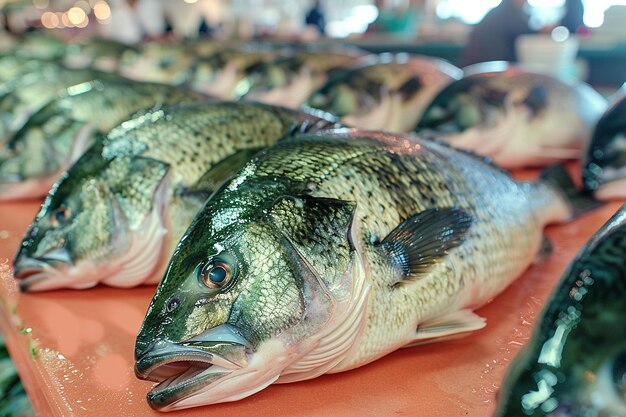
x: 74, y: 349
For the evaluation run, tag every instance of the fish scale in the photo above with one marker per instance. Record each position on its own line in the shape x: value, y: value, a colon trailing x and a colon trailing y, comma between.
x: 390, y: 240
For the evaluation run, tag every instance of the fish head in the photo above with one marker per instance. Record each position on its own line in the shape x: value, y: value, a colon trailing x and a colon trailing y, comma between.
x: 33, y: 159
x: 465, y: 104
x: 349, y: 92
x: 94, y: 226
x: 242, y: 299
x: 604, y: 167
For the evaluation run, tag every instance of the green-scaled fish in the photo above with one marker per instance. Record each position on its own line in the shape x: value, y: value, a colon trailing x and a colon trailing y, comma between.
x: 221, y: 73
x: 604, y: 162
x: 386, y: 92
x: 99, y: 53
x: 158, y: 62
x: 517, y: 117
x: 62, y: 130
x: 329, y: 251
x: 574, y: 365
x: 21, y: 96
x: 117, y: 214
x: 289, y: 80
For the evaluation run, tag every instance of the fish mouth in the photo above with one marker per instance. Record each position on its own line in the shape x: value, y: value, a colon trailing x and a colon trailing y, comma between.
x: 36, y: 274
x: 188, y: 368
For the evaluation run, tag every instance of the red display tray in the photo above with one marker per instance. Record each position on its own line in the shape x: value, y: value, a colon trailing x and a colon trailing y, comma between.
x: 74, y: 349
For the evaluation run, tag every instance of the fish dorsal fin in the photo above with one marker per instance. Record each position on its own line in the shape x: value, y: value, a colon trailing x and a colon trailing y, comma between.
x: 221, y: 171
x: 313, y: 224
x: 421, y: 240
x: 448, y: 326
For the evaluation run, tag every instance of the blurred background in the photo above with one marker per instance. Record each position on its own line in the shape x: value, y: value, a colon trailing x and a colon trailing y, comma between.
x: 432, y: 27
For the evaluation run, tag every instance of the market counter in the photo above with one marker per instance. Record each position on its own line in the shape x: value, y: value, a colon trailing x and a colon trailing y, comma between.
x: 74, y: 349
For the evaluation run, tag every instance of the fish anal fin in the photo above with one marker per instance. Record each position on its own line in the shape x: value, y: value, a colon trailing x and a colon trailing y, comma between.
x: 419, y: 242
x: 447, y: 327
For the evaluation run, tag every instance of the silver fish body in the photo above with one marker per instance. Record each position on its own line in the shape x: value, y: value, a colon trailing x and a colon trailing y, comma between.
x: 575, y: 362
x: 385, y: 91
x: 62, y: 130
x: 604, y: 162
x: 518, y: 118
x: 119, y: 211
x: 329, y: 251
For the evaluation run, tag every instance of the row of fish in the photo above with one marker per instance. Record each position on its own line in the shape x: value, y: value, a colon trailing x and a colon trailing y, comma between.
x: 319, y: 249
x: 302, y: 214
x: 516, y: 117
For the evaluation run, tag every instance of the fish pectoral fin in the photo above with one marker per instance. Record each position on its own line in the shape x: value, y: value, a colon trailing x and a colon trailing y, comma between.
x: 418, y: 243
x: 221, y: 171
x: 449, y: 326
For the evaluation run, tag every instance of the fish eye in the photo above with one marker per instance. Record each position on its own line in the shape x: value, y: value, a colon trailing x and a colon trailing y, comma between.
x: 60, y: 215
x: 216, y: 274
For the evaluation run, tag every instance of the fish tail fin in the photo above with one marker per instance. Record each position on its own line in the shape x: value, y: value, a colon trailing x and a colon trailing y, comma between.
x: 579, y: 201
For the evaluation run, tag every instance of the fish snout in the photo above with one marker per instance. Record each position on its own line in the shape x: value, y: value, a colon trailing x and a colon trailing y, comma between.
x: 31, y: 272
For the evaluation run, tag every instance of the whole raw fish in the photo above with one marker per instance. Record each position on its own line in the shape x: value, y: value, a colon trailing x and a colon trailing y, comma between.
x: 117, y: 214
x: 387, y: 91
x: 518, y: 118
x: 574, y: 365
x: 604, y: 163
x: 57, y: 134
x: 329, y: 251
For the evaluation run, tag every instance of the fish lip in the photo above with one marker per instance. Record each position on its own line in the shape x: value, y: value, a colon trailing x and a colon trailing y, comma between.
x: 186, y: 367
x: 30, y: 271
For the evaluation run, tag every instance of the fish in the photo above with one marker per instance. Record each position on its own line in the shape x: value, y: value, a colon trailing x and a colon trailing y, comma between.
x: 517, y: 117
x: 221, y: 73
x: 158, y: 62
x: 604, y: 162
x: 39, y: 45
x: 56, y: 135
x: 388, y: 91
x: 575, y: 361
x: 289, y: 80
x: 116, y: 215
x: 21, y: 96
x: 97, y: 53
x: 328, y: 251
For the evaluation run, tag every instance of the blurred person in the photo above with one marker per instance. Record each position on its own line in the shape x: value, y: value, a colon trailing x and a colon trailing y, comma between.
x: 493, y: 38
x: 315, y: 17
x: 400, y: 19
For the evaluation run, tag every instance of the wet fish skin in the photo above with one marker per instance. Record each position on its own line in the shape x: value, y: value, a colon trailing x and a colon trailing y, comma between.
x: 119, y: 211
x: 21, y: 96
x: 386, y: 91
x: 604, y: 162
x: 517, y: 117
x: 296, y: 265
x: 62, y: 130
x: 575, y: 362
